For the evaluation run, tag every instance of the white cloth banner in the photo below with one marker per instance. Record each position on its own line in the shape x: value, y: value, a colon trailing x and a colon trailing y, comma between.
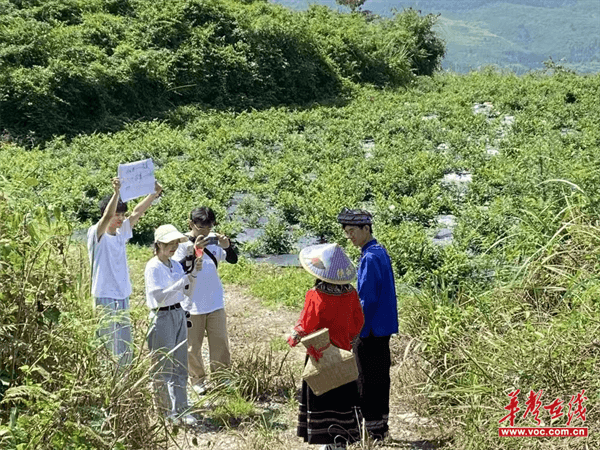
x: 137, y: 179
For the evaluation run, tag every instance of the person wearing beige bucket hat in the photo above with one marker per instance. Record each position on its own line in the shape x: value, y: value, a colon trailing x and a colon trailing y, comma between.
x: 329, y: 419
x: 167, y: 286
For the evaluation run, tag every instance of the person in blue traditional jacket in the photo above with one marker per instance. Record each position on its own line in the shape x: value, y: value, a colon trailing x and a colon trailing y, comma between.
x: 377, y: 293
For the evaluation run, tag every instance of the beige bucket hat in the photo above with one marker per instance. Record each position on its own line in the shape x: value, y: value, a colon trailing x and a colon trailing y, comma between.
x: 168, y: 233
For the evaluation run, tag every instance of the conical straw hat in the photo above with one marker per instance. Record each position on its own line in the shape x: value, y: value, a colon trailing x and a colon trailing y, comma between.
x: 328, y: 262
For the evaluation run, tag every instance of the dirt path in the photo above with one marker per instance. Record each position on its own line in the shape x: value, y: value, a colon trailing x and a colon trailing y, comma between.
x: 253, y: 326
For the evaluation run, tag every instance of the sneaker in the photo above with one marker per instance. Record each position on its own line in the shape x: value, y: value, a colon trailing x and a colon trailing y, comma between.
x: 187, y: 419
x: 200, y: 388
x: 336, y: 446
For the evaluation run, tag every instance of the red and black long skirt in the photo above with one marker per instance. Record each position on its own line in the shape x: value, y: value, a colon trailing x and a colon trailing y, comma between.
x: 331, y: 417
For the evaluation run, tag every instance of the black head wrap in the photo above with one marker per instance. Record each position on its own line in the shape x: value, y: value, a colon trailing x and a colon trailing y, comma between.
x: 357, y: 217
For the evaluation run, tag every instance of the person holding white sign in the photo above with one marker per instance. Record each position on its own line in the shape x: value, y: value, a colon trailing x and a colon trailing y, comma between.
x: 111, y: 287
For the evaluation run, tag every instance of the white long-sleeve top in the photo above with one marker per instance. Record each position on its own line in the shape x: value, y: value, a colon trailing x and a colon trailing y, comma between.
x: 166, y: 286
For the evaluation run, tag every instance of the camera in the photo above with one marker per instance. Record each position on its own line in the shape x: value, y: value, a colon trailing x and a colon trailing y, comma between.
x: 212, y: 239
x: 187, y: 321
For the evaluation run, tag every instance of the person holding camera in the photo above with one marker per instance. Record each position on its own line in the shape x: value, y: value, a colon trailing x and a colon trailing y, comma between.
x: 206, y: 304
x: 167, y: 287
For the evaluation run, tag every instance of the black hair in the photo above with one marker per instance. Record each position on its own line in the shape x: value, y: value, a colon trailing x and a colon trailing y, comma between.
x: 325, y: 286
x: 121, y: 206
x: 344, y: 225
x: 203, y: 216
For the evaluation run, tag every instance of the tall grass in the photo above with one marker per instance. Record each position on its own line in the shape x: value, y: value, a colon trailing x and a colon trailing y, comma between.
x: 60, y: 388
x: 538, y: 331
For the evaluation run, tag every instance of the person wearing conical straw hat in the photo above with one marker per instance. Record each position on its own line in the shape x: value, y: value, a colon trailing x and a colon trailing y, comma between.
x: 377, y: 292
x: 331, y: 418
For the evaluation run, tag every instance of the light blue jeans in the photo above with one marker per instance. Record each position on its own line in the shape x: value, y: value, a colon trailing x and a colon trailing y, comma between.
x: 115, y: 328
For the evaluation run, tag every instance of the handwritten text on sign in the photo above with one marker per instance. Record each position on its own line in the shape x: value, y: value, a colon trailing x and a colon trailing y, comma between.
x: 137, y: 179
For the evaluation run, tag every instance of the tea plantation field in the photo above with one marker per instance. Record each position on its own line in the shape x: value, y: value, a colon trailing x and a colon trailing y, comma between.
x: 487, y: 159
x: 484, y: 189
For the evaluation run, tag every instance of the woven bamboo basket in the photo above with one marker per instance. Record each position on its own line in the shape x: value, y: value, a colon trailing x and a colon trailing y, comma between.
x: 335, y: 368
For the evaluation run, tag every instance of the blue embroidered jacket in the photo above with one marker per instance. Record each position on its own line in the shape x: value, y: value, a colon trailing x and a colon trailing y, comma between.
x: 377, y: 291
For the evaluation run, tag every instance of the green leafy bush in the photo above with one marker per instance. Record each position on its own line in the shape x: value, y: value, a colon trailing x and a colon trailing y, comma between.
x: 276, y: 239
x: 83, y: 65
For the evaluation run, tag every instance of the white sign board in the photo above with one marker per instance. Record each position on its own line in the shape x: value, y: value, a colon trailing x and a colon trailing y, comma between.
x: 137, y: 179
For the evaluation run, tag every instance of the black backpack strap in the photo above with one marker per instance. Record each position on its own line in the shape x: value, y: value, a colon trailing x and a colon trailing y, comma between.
x: 211, y: 256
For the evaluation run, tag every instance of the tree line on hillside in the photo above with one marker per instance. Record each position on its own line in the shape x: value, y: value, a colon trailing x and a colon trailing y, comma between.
x: 78, y: 66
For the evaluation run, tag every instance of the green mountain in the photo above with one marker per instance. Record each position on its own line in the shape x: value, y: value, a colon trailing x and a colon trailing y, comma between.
x: 514, y: 34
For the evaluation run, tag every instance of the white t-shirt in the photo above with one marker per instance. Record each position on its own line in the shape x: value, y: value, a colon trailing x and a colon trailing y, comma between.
x: 108, y: 257
x: 166, y: 286
x: 208, y: 293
